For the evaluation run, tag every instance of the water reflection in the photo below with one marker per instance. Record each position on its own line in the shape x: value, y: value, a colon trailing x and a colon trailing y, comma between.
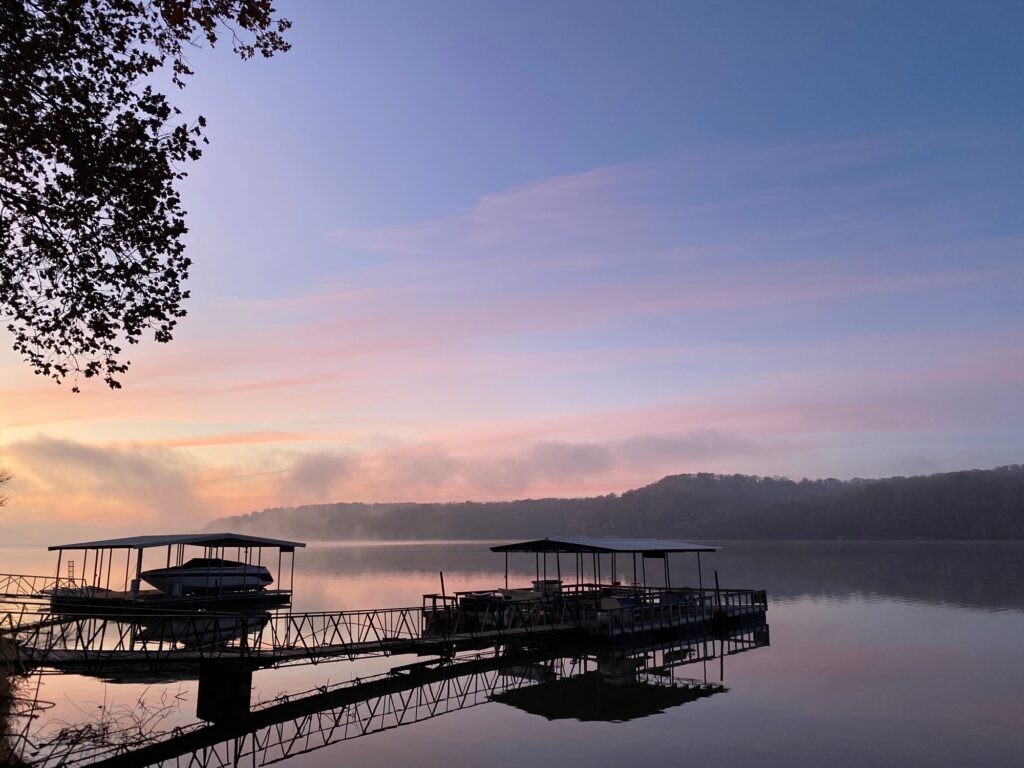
x: 614, y: 683
x: 882, y: 654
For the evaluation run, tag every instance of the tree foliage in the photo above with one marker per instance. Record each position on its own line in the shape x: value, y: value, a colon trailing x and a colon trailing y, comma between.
x: 5, y: 477
x: 975, y: 504
x: 91, y: 223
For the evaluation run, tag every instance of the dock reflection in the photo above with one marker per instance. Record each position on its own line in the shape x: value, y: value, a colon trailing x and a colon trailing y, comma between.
x: 611, y: 682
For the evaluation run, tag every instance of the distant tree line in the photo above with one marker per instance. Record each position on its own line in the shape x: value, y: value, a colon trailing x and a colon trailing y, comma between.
x: 973, y: 504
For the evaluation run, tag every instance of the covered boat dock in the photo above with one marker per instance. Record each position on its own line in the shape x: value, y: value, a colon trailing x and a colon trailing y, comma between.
x: 98, y: 582
x: 99, y: 636
x: 594, y: 594
x: 580, y: 547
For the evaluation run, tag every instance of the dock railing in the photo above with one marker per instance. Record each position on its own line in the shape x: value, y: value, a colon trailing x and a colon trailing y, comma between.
x: 23, y: 585
x: 55, y: 639
x: 646, y: 617
x: 99, y: 639
x: 597, y: 609
x: 672, y: 608
x: 495, y: 617
x: 649, y: 593
x: 269, y: 638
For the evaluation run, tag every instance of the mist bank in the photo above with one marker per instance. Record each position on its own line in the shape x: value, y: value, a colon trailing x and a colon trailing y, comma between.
x: 972, y: 574
x: 968, y: 505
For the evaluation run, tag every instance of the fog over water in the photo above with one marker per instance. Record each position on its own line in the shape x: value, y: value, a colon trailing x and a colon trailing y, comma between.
x: 984, y: 575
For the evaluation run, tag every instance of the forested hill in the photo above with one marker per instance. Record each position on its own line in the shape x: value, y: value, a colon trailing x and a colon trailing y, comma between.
x: 974, y: 504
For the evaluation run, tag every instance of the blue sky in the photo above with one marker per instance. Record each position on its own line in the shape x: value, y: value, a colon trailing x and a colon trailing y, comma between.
x: 487, y: 250
x: 386, y: 113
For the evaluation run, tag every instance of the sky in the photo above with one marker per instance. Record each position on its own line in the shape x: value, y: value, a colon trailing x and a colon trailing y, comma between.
x: 492, y: 250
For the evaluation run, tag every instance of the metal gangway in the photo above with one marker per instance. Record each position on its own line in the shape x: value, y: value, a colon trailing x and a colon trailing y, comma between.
x: 98, y: 643
x: 21, y: 586
x: 105, y: 643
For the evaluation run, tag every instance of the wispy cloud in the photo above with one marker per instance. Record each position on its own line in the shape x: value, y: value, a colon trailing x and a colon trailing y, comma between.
x: 316, y: 475
x: 63, y: 480
x: 433, y: 471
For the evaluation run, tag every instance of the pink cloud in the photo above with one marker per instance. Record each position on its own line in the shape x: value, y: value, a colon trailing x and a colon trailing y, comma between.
x: 235, y: 438
x: 508, y: 349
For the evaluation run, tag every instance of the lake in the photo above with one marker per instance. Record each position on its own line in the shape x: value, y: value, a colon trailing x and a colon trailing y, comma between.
x: 880, y: 654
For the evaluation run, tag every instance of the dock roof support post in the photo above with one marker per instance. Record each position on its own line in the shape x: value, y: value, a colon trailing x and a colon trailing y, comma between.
x: 721, y: 658
x: 56, y: 578
x: 634, y: 570
x: 536, y: 563
x: 138, y: 573
x: 506, y: 570
x: 700, y: 576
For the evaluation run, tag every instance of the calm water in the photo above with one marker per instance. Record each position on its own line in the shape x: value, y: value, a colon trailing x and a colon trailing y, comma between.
x: 887, y: 654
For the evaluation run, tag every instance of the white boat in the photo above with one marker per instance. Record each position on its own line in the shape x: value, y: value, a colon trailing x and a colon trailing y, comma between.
x: 208, y: 574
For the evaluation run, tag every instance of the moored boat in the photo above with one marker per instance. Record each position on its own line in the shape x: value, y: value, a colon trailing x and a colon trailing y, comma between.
x: 208, y: 574
x: 99, y: 586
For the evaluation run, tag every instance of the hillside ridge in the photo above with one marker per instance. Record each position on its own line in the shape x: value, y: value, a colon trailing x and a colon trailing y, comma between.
x: 967, y: 504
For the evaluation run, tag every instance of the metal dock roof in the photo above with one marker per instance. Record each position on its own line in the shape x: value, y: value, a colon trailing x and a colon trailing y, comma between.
x: 171, y: 539
x: 603, y: 544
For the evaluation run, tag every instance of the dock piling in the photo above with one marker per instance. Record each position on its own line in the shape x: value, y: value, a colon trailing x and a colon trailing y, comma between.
x: 225, y: 691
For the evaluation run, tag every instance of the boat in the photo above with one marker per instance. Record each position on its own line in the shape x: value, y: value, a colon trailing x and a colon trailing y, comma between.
x: 98, y: 585
x: 208, y: 574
